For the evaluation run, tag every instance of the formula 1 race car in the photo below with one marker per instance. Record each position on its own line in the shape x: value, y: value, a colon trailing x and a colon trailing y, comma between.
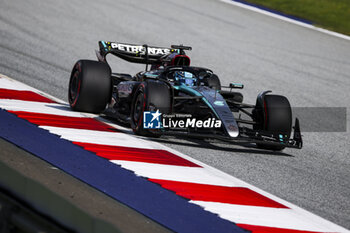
x: 173, y: 98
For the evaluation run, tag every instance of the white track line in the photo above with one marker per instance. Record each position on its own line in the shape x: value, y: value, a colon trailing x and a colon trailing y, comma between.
x: 284, y: 18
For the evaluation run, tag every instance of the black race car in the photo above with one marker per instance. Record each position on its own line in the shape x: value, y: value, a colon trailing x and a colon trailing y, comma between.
x: 173, y: 98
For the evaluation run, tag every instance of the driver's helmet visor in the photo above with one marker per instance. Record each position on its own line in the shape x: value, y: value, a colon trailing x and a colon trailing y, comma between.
x: 184, y: 78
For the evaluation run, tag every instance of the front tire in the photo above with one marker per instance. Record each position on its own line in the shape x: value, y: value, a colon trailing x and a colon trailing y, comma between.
x: 274, y: 116
x: 149, y: 96
x: 90, y: 86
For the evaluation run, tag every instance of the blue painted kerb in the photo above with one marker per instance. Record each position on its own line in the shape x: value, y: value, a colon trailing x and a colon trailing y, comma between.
x: 159, y: 204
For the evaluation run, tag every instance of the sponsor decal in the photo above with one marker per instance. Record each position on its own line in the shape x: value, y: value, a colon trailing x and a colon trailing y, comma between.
x: 151, y: 120
x: 219, y: 103
x: 156, y: 120
x: 139, y: 49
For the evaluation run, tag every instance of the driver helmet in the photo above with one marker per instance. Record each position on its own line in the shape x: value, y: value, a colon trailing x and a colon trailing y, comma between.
x: 184, y: 78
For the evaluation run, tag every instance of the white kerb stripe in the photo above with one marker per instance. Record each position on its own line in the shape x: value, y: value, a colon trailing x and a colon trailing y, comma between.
x: 198, y: 175
x: 269, y: 217
x: 40, y: 107
x: 11, y: 84
x: 100, y: 137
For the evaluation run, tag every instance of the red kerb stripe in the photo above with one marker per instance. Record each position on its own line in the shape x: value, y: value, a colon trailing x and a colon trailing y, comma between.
x: 262, y: 229
x: 136, y: 154
x: 64, y: 121
x: 23, y: 95
x: 222, y: 194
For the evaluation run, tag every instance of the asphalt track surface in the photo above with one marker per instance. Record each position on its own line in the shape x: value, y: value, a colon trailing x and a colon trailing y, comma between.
x: 41, y: 40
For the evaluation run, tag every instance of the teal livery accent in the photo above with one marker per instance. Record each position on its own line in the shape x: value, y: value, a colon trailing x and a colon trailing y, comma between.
x: 217, y: 105
x: 151, y: 75
x: 189, y: 90
x: 236, y: 85
x: 104, y: 45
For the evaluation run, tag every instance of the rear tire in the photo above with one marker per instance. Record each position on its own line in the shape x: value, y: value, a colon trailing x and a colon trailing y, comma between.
x: 149, y: 96
x: 274, y: 115
x: 90, y: 86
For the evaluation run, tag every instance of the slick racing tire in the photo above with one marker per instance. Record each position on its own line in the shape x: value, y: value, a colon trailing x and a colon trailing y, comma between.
x: 90, y: 86
x: 149, y: 96
x: 274, y: 115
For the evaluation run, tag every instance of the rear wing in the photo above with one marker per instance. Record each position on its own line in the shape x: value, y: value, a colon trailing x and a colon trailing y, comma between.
x: 133, y: 53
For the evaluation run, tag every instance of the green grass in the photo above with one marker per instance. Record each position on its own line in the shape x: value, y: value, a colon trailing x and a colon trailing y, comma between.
x: 329, y: 14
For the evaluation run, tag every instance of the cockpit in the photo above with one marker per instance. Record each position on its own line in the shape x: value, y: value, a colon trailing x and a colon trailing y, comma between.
x: 184, y: 78
x: 180, y: 77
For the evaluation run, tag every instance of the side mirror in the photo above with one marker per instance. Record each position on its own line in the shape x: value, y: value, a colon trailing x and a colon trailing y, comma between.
x: 236, y: 85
